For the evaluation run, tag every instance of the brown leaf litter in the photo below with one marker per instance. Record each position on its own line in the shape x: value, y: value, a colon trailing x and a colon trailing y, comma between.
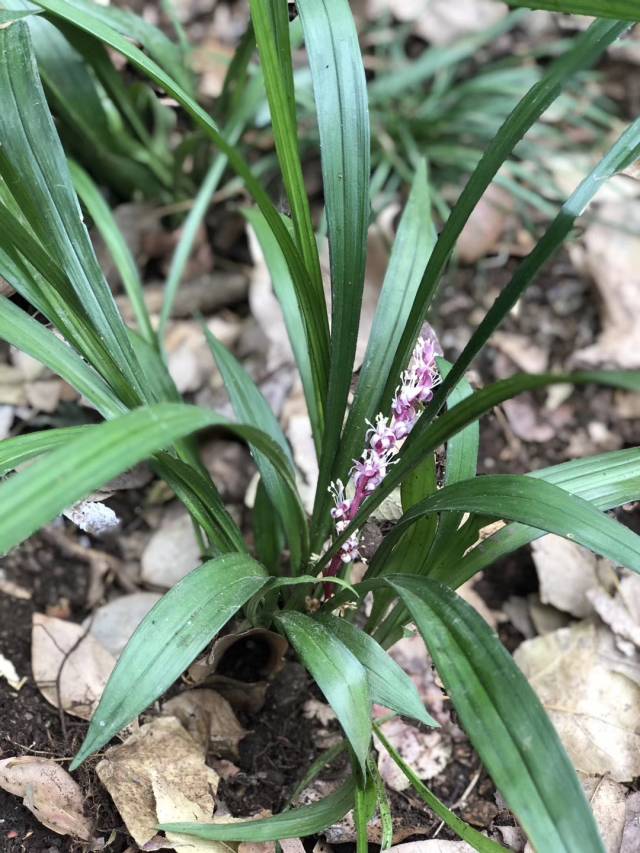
x: 49, y: 792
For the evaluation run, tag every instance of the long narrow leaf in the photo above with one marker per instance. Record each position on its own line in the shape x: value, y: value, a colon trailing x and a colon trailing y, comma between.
x: 504, y: 720
x: 106, y: 224
x: 284, y: 290
x: 22, y: 331
x: 37, y: 495
x: 251, y: 407
x: 538, y: 504
x: 295, y: 823
x: 606, y: 481
x: 85, y: 19
x: 168, y: 639
x: 623, y: 153
x: 271, y: 26
x: 584, y: 53
x: 476, y: 839
x: 625, y: 10
x: 338, y: 673
x: 340, y: 93
x: 465, y: 413
x: 33, y: 164
x: 389, y: 685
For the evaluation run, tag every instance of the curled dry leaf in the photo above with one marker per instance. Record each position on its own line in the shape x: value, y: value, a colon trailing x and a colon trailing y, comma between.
x: 161, y: 749
x: 49, y: 792
x: 587, y: 686
x: 70, y: 667
x: 209, y: 719
x: 239, y: 665
x: 426, y: 752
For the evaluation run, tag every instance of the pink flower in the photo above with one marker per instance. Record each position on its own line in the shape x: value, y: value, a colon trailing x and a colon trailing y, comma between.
x: 370, y: 470
x: 381, y: 438
x: 384, y: 440
x: 342, y: 503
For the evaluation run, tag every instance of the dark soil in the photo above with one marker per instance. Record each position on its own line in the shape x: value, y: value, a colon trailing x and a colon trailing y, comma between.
x: 30, y: 726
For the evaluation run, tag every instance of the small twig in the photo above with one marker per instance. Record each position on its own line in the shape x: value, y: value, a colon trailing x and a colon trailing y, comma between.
x: 461, y: 801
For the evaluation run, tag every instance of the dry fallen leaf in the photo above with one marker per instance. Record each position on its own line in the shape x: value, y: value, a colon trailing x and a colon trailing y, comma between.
x: 49, y: 792
x: 70, y: 667
x: 607, y: 800
x: 522, y: 350
x: 577, y: 673
x: 172, y: 552
x: 621, y: 612
x: 631, y: 834
x: 173, y: 806
x: 440, y: 21
x: 567, y: 572
x: 209, y: 719
x: 160, y: 749
x: 427, y: 752
x: 486, y: 225
x: 612, y: 257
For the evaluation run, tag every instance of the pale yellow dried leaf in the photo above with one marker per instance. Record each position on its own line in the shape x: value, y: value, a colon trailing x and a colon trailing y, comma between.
x: 49, y: 792
x: 70, y: 667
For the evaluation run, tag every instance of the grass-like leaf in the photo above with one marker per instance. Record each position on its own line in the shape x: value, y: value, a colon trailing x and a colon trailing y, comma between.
x: 295, y: 823
x: 606, y: 481
x: 30, y: 336
x: 338, y: 673
x: 168, y: 639
x: 251, y: 407
x: 106, y: 224
x: 33, y: 164
x: 538, y: 504
x: 86, y: 19
x: 476, y: 839
x: 284, y: 290
x: 586, y: 50
x: 340, y: 93
x: 504, y: 720
x: 465, y: 413
x: 624, y: 10
x: 622, y: 153
x: 66, y: 475
x: 389, y: 685
x: 271, y: 27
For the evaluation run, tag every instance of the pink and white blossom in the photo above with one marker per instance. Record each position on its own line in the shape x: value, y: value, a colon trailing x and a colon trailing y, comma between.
x: 383, y: 444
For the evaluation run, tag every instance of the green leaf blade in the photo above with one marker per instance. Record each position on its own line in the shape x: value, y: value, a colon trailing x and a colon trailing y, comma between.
x: 294, y: 823
x: 504, y: 719
x: 339, y: 675
x: 389, y: 685
x: 168, y: 639
x: 340, y: 94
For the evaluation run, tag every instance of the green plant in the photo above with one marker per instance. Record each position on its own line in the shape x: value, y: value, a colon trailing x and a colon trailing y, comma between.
x: 46, y: 255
